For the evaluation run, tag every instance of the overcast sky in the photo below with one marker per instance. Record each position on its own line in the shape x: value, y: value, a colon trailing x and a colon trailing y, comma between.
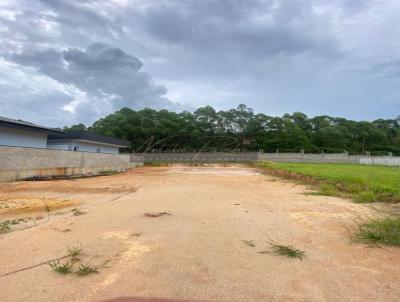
x: 64, y: 62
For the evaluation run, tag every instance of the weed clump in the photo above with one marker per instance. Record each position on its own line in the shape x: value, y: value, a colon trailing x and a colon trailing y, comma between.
x: 327, y: 190
x: 63, y: 269
x: 5, y: 227
x: 86, y: 269
x: 74, y: 251
x: 379, y: 231
x: 365, y: 197
x: 67, y: 267
x: 285, y: 250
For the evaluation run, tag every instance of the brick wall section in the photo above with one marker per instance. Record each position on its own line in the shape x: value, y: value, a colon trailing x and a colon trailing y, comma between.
x: 18, y: 163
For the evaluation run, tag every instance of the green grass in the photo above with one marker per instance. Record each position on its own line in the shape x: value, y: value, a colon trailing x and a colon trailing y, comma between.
x: 5, y: 227
x: 74, y: 251
x: 360, y: 182
x: 379, y: 231
x: 286, y: 250
x: 86, y: 269
x: 61, y: 268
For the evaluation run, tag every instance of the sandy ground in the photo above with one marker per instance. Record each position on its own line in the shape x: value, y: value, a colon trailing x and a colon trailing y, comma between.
x: 195, y: 253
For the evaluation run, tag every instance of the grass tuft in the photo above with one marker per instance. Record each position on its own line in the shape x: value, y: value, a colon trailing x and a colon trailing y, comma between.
x: 86, y: 269
x: 5, y: 227
x: 287, y: 250
x: 365, y: 197
x: 74, y: 251
x: 327, y: 190
x: 61, y: 268
x: 379, y: 231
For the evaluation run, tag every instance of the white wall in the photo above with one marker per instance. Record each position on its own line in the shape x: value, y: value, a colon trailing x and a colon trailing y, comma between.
x: 381, y: 160
x: 20, y: 138
x: 83, y: 146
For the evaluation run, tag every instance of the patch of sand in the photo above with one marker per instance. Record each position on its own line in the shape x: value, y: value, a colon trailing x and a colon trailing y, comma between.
x: 197, y: 252
x: 23, y: 204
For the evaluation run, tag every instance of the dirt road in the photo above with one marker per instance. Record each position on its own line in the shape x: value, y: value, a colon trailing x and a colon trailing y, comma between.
x: 196, y: 250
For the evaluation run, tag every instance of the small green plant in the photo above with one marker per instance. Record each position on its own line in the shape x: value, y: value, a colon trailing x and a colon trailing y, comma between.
x: 379, y: 231
x: 5, y: 227
x: 74, y: 251
x: 327, y: 190
x: 250, y: 243
x: 286, y: 250
x: 86, y: 269
x: 61, y: 268
x: 366, y: 196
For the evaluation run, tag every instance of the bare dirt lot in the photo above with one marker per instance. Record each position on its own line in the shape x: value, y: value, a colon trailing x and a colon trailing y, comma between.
x: 195, y: 250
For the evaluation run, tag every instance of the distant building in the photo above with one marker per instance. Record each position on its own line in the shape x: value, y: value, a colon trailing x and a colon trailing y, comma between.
x: 17, y: 133
x: 85, y: 141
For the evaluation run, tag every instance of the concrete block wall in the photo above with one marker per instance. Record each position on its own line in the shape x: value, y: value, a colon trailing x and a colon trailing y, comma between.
x: 381, y: 160
x: 274, y: 157
x: 201, y: 157
x: 137, y: 159
x: 20, y: 163
x: 311, y: 158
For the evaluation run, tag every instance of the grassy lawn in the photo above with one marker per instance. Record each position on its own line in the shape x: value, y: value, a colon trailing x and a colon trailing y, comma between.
x: 362, y: 183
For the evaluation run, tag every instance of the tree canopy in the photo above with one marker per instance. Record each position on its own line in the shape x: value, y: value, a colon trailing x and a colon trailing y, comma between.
x: 240, y: 129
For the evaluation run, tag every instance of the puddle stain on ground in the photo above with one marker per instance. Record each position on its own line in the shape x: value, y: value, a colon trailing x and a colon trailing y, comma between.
x: 132, y: 249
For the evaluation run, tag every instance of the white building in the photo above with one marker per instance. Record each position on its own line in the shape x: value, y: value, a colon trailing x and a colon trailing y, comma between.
x: 17, y: 133
x: 85, y: 141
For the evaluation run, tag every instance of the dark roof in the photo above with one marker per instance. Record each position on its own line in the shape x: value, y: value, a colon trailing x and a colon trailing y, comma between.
x: 27, y: 126
x: 90, y: 136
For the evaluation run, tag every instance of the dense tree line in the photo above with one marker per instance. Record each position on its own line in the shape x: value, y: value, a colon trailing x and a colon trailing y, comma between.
x: 241, y: 129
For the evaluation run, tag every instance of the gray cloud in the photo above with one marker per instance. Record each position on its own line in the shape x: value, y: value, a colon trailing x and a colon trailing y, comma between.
x: 109, y: 77
x: 334, y: 57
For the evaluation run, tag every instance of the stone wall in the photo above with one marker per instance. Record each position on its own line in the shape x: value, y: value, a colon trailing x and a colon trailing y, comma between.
x: 20, y: 163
